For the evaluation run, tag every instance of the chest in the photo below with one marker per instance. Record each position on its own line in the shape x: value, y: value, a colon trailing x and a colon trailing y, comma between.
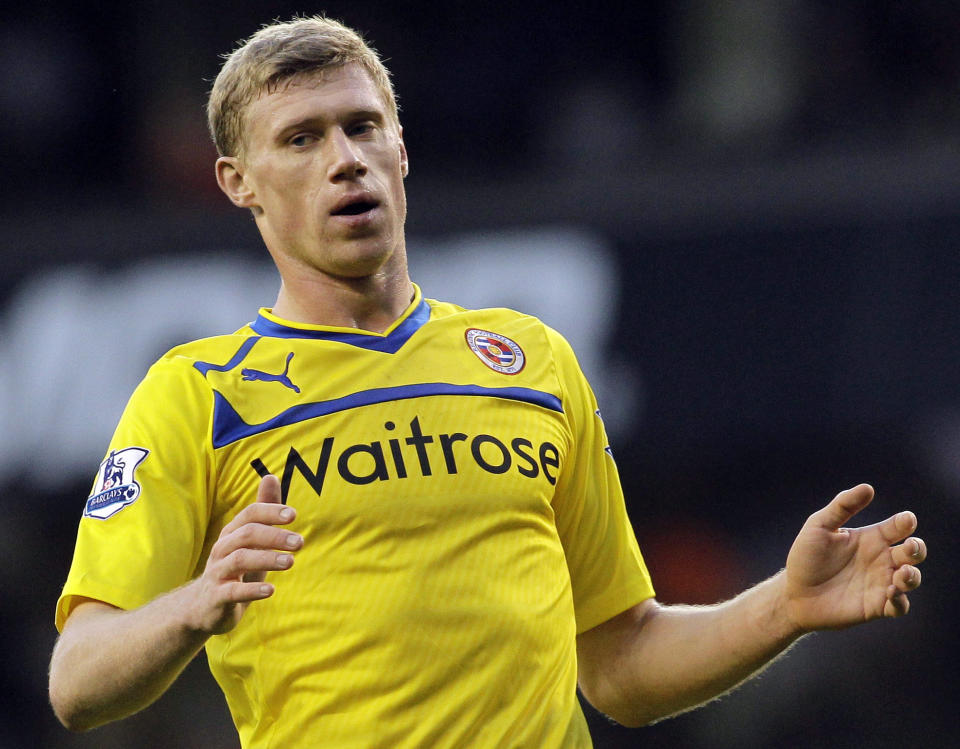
x: 368, y: 444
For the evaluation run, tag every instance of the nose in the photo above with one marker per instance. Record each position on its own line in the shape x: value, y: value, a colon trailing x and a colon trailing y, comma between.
x: 346, y: 158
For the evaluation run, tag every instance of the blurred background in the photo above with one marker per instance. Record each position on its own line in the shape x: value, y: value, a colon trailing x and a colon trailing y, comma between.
x: 744, y: 215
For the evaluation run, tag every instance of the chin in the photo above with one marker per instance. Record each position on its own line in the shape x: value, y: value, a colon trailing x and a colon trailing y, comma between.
x: 361, y: 266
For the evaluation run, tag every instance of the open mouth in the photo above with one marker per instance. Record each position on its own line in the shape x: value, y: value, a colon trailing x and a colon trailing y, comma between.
x: 354, y: 208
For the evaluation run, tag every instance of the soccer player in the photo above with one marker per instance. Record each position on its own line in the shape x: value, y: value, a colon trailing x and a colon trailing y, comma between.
x: 391, y: 521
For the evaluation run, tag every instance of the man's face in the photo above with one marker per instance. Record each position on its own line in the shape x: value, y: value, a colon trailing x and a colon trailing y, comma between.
x: 324, y: 163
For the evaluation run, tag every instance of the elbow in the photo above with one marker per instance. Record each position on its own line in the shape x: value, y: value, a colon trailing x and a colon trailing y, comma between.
x: 611, y: 671
x: 71, y: 724
x: 68, y: 706
x: 69, y: 716
x: 626, y: 712
x: 79, y: 685
x: 614, y: 699
x: 630, y: 718
x: 73, y: 719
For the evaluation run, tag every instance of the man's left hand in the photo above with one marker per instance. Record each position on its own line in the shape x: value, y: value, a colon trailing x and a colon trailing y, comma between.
x: 838, y: 576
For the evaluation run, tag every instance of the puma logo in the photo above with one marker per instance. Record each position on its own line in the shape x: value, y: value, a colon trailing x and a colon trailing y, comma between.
x: 255, y: 374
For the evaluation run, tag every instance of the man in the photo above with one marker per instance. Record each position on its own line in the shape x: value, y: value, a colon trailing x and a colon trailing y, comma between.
x: 463, y: 555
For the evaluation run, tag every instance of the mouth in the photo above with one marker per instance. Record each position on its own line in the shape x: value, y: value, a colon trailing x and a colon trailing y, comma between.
x: 354, y: 206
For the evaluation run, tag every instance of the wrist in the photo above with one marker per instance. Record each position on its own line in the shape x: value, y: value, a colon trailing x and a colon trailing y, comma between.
x: 779, y: 620
x: 187, y: 613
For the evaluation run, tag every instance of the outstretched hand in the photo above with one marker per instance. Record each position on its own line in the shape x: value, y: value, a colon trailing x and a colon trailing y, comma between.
x: 249, y: 546
x: 838, y: 576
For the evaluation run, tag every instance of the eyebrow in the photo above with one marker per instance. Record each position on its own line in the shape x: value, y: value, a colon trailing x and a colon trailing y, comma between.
x: 353, y: 115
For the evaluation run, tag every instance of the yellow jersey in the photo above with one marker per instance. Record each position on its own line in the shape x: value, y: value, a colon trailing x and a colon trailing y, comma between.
x: 461, y: 513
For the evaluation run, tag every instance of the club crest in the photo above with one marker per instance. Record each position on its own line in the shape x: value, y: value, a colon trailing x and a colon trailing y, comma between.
x: 115, y: 487
x: 496, y: 351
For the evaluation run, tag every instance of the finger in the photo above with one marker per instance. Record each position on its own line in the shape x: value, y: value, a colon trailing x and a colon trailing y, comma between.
x: 252, y: 564
x: 244, y: 592
x: 911, y: 551
x: 268, y: 513
x: 843, y: 507
x: 269, y: 490
x: 898, y: 527
x: 906, y: 578
x: 897, y: 603
x: 255, y: 536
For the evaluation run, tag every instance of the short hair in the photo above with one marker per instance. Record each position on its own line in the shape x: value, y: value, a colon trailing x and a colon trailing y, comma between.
x: 277, y: 53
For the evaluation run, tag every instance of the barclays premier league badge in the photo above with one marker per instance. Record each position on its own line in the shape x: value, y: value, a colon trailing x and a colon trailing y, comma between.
x: 496, y: 351
x: 115, y: 487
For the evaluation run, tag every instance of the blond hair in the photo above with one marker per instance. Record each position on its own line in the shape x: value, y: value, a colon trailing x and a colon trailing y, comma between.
x: 277, y: 53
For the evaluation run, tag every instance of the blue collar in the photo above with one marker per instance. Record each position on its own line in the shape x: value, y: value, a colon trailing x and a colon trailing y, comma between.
x: 388, y: 343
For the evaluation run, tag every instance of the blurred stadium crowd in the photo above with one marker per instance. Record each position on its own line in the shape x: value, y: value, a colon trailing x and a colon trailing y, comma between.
x: 744, y: 214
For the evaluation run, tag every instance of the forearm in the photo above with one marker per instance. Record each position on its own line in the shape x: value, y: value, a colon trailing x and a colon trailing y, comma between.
x: 653, y: 661
x: 677, y: 657
x: 110, y: 663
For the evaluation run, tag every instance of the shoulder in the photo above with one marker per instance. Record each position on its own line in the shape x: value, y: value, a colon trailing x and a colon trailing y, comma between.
x: 490, y: 317
x: 187, y: 364
x: 528, y: 332
x: 213, y: 349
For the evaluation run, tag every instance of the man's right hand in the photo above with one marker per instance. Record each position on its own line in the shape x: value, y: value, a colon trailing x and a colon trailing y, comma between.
x: 249, y: 546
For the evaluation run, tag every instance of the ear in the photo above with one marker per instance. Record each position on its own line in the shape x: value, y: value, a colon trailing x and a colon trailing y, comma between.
x: 404, y: 161
x: 230, y: 177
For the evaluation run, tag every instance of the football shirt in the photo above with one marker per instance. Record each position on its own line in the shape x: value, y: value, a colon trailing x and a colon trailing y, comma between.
x: 461, y: 512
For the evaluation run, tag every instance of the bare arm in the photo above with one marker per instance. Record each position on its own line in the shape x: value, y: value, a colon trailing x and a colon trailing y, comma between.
x: 653, y: 661
x: 109, y: 663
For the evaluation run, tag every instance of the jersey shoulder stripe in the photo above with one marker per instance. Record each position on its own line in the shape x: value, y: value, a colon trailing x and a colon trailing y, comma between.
x: 228, y: 426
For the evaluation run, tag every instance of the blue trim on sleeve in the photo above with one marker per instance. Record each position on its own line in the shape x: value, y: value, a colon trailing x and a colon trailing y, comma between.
x: 203, y: 367
x: 388, y: 344
x: 229, y: 427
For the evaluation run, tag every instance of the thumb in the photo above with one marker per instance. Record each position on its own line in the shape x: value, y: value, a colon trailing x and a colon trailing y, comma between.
x: 843, y: 507
x: 269, y: 490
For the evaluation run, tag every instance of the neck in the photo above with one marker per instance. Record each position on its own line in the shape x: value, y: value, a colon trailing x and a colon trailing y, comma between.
x: 371, y: 303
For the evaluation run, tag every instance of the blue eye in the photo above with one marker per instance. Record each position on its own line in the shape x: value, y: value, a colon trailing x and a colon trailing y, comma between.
x: 304, y: 139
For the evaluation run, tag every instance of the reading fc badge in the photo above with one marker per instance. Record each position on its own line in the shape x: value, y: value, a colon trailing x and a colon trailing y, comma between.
x: 496, y: 351
x: 115, y: 487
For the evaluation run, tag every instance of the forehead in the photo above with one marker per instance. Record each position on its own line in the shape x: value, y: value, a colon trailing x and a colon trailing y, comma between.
x: 326, y: 94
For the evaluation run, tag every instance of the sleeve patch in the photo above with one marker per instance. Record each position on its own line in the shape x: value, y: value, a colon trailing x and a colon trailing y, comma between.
x: 115, y: 487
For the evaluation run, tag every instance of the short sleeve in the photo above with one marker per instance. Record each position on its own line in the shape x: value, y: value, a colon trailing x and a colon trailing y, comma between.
x: 143, y: 527
x: 607, y: 571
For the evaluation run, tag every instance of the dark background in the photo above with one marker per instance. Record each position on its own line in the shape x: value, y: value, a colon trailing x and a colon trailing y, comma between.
x: 778, y: 183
